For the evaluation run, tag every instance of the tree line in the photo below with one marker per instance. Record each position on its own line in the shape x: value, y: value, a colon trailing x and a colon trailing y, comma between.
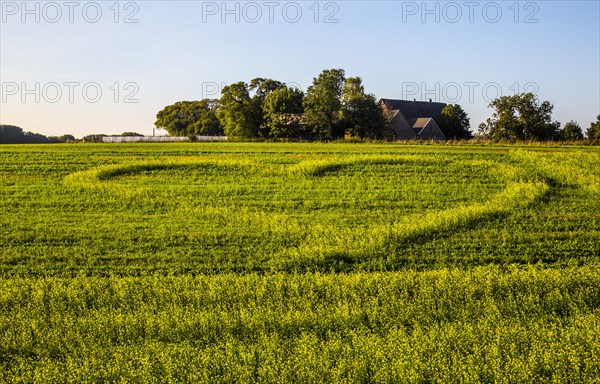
x: 333, y: 107
x: 10, y: 134
x: 336, y: 106
x: 270, y: 109
x: 523, y: 117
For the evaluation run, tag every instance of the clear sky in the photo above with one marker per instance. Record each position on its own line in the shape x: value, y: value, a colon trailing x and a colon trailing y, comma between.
x: 108, y: 67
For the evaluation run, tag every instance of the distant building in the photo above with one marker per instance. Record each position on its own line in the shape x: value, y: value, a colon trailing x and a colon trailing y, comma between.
x: 146, y: 139
x: 413, y: 120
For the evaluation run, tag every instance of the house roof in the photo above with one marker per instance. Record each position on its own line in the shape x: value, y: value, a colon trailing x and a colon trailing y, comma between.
x: 420, y: 122
x: 415, y: 109
x: 394, y: 113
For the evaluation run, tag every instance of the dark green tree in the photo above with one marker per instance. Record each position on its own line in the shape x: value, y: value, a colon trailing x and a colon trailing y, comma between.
x: 521, y: 117
x: 238, y: 113
x: 572, y: 131
x: 282, y: 111
x: 209, y: 122
x: 94, y: 138
x: 261, y: 88
x: 10, y: 134
x: 189, y: 118
x: 62, y: 139
x: 322, y: 104
x: 67, y: 138
x: 454, y: 122
x: 174, y: 119
x: 593, y: 132
x: 362, y: 116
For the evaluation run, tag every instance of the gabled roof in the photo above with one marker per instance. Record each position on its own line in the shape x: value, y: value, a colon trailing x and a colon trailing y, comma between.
x: 394, y: 113
x: 414, y: 109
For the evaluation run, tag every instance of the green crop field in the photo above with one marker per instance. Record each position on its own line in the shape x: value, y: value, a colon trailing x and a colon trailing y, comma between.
x: 299, y: 263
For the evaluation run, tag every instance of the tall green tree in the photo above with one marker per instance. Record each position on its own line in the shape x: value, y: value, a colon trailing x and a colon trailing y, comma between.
x: 239, y: 115
x: 454, y: 122
x: 282, y: 111
x: 261, y: 88
x: 521, y: 117
x: 572, y: 131
x: 322, y: 104
x: 361, y: 114
x: 593, y: 132
x: 189, y: 118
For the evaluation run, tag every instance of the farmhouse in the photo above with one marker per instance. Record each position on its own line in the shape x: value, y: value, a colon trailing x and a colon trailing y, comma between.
x: 413, y: 120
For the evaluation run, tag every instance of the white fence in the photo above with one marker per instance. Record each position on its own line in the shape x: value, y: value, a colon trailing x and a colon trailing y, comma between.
x: 137, y: 139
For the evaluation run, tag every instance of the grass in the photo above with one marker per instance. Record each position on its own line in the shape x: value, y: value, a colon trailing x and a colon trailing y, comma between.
x: 233, y: 262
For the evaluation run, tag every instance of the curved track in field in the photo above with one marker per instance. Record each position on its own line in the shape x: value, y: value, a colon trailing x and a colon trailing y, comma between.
x: 352, y: 247
x: 327, y: 246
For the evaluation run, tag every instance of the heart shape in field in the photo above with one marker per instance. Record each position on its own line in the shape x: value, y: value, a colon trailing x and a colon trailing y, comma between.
x: 364, y: 203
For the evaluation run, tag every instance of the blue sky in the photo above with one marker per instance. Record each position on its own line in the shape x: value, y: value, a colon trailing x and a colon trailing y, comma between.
x: 83, y: 69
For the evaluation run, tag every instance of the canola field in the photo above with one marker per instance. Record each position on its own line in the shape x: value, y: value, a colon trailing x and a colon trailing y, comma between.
x: 299, y: 263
